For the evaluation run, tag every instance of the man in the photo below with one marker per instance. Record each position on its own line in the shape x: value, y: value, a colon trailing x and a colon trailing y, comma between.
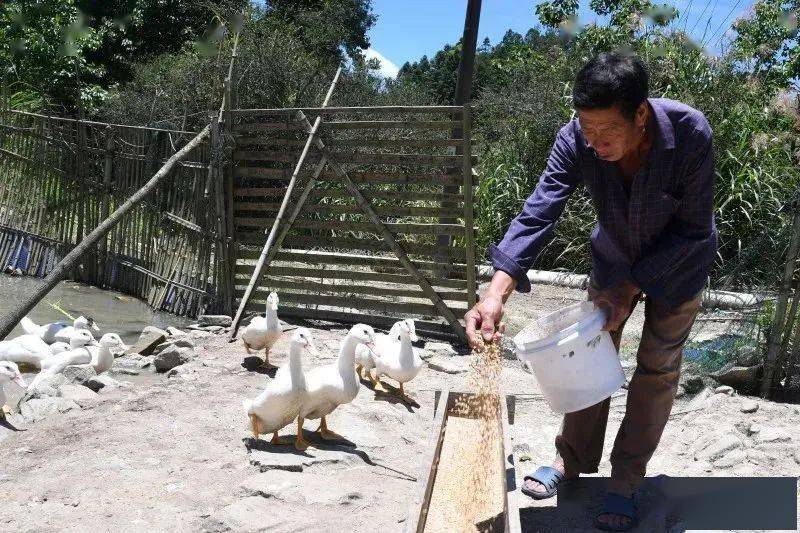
x: 648, y: 165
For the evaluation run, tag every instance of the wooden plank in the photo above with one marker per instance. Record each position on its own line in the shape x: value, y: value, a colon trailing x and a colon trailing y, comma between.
x: 271, y: 155
x: 336, y: 125
x: 322, y: 273
x: 395, y: 159
x: 387, y: 109
x: 411, y: 196
x: 366, y: 290
x: 406, y: 228
x: 351, y: 302
x: 338, y: 209
x: 262, y: 172
x: 360, y: 177
x: 334, y: 258
x: 469, y: 221
x: 368, y: 244
x: 352, y: 143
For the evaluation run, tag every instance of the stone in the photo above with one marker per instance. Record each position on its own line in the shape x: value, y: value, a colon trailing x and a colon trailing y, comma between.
x: 215, y: 320
x: 718, y: 447
x: 693, y: 384
x: 79, y: 394
x: 724, y: 389
x: 124, y: 371
x: 255, y: 513
x: 175, y: 332
x: 148, y: 340
x: 440, y: 348
x: 46, y: 388
x: 731, y: 459
x: 753, y: 429
x: 38, y: 409
x: 700, y: 400
x: 265, y: 460
x: 171, y: 357
x: 184, y: 343
x: 749, y: 406
x: 200, y: 334
x: 447, y: 365
x: 773, y: 435
x: 79, y: 374
x: 797, y: 455
x: 745, y: 379
x: 272, y: 484
x: 104, y: 383
x: 213, y: 329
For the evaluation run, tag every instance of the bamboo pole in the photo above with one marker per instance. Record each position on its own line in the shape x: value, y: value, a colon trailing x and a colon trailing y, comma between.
x: 10, y: 318
x: 271, y: 239
x: 778, y: 322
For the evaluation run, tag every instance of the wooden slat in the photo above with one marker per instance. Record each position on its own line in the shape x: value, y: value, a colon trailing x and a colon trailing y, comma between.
x: 367, y: 290
x: 354, y: 143
x: 262, y: 172
x: 360, y: 177
x: 395, y: 159
x: 386, y: 109
x: 271, y: 155
x: 333, y: 258
x: 262, y: 192
x: 322, y: 273
x: 406, y: 228
x: 350, y: 302
x: 327, y: 209
x: 389, y: 124
x: 370, y: 245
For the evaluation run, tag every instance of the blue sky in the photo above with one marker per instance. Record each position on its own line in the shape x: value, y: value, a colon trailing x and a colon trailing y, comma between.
x: 408, y: 29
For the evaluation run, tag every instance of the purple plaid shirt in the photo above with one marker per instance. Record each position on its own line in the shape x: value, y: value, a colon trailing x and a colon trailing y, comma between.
x: 663, y: 238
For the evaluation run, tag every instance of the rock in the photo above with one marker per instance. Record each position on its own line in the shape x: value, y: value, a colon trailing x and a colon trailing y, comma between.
x: 742, y: 378
x: 273, y: 484
x: 291, y: 462
x: 255, y: 513
x: 38, y: 409
x: 103, y: 382
x: 731, y: 459
x: 797, y: 455
x: 213, y: 329
x: 79, y: 374
x: 200, y: 334
x: 699, y: 400
x: 172, y: 356
x: 184, y: 343
x: 718, y: 447
x: 215, y: 320
x: 439, y: 348
x: 447, y: 365
x: 175, y: 332
x: 124, y: 371
x: 46, y: 388
x: 773, y: 435
x: 148, y: 340
x: 753, y: 429
x: 693, y: 384
x: 749, y: 406
x: 79, y: 394
x: 724, y: 389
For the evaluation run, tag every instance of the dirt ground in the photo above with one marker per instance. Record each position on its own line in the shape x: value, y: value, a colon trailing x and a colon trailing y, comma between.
x: 173, y: 453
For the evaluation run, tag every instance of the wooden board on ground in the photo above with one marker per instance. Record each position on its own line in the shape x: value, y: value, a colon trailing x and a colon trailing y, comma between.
x: 444, y: 491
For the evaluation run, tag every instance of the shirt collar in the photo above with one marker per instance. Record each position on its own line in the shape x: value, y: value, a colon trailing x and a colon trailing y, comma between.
x: 665, y: 132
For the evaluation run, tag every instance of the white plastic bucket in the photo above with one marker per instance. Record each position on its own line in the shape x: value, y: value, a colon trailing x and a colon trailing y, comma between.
x: 573, y: 360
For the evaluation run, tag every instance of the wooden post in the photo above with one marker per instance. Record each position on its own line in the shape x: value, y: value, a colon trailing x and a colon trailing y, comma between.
x: 108, y: 175
x: 469, y: 224
x: 10, y: 318
x: 778, y: 322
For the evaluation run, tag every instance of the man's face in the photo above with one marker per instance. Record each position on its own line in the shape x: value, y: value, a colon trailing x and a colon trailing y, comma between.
x: 610, y: 133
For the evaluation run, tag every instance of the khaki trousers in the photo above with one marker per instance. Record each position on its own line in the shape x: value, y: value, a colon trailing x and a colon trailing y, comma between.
x: 651, y: 392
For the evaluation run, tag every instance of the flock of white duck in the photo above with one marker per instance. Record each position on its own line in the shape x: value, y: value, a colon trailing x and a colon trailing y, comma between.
x: 51, y: 348
x: 296, y: 394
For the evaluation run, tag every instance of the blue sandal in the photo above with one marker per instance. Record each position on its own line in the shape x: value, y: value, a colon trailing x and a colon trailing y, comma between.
x: 547, y: 476
x: 616, y: 504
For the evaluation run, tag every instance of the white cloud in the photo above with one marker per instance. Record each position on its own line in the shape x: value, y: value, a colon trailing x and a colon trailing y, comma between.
x: 387, y: 68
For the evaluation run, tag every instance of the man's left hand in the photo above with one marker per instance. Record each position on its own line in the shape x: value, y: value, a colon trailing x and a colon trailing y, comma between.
x: 616, y: 301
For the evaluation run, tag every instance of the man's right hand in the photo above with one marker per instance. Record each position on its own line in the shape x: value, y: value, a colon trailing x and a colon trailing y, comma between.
x: 485, y: 317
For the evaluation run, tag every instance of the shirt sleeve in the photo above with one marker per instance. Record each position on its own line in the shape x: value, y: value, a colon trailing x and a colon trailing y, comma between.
x: 533, y: 227
x: 691, y: 240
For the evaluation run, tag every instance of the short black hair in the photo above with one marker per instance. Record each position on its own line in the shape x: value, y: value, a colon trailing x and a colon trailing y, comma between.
x: 611, y: 79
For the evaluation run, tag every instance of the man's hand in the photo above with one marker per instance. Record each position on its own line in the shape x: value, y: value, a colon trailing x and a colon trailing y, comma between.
x: 486, y: 315
x: 616, y: 302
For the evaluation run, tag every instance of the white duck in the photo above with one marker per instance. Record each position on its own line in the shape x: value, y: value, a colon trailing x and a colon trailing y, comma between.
x: 57, y: 331
x: 8, y: 372
x: 28, y: 349
x: 78, y: 354
x: 103, y: 355
x: 59, y: 347
x: 279, y: 404
x: 400, y: 362
x: 263, y: 332
x: 365, y: 357
x: 329, y: 386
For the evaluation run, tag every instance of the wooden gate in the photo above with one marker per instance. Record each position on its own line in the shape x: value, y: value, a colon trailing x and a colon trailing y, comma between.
x: 356, y: 241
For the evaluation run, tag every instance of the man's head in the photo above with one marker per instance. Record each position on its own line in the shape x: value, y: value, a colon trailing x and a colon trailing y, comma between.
x: 610, y: 95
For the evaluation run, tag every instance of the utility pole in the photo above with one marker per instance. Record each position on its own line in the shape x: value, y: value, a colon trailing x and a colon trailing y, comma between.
x: 466, y: 68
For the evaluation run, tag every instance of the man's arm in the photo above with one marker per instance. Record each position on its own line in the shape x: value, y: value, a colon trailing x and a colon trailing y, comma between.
x: 691, y: 239
x: 533, y: 227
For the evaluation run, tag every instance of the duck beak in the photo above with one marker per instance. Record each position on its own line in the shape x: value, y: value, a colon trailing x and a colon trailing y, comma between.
x: 20, y: 381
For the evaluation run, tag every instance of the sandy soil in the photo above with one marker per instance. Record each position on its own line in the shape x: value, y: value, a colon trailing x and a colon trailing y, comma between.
x: 173, y: 453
